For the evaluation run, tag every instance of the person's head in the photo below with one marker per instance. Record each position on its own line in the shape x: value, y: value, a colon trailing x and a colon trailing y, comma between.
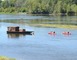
x: 54, y: 32
x: 68, y: 32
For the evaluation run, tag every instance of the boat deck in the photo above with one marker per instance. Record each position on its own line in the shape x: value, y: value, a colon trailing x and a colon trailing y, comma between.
x: 15, y: 32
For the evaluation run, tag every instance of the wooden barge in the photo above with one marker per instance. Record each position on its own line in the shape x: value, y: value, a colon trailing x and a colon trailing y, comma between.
x: 16, y: 30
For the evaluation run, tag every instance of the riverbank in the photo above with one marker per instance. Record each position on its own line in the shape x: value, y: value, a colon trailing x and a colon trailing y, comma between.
x: 53, y: 14
x: 55, y: 26
x: 6, y: 58
x: 9, y: 13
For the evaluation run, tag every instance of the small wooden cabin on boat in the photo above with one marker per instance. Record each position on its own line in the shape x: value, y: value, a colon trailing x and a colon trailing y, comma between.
x: 13, y: 28
x: 17, y: 30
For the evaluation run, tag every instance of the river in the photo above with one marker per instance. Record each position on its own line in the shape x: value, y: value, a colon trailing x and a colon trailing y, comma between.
x: 41, y: 45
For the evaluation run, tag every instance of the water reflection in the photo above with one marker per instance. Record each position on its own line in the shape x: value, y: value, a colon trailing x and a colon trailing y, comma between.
x: 68, y: 20
x: 16, y: 35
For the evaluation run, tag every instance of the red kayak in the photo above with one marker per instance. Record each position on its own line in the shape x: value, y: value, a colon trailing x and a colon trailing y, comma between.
x: 52, y: 33
x: 66, y: 33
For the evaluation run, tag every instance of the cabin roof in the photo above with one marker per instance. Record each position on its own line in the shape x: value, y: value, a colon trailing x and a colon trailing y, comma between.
x: 13, y: 26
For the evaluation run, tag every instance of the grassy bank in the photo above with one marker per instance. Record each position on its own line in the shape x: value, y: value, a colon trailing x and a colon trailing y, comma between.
x: 6, y: 58
x: 55, y: 26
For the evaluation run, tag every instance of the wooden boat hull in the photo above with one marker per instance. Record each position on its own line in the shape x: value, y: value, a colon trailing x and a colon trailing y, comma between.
x: 26, y: 32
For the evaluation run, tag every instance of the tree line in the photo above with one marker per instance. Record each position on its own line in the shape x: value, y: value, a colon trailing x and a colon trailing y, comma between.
x: 39, y: 6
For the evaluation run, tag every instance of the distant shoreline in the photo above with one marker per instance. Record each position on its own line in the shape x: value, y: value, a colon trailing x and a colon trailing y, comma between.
x: 53, y: 14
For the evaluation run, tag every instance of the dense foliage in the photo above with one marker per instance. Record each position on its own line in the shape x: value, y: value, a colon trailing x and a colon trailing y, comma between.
x: 39, y: 6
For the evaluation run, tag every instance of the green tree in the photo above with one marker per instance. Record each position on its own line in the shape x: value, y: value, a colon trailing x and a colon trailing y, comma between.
x: 5, y: 4
x: 74, y: 6
x: 58, y: 7
x: 39, y: 6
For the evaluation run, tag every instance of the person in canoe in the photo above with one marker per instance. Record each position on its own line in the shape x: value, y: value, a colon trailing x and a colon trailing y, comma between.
x: 66, y: 33
x: 52, y: 33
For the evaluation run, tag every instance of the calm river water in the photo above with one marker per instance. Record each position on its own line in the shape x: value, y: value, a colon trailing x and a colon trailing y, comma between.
x: 41, y: 45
